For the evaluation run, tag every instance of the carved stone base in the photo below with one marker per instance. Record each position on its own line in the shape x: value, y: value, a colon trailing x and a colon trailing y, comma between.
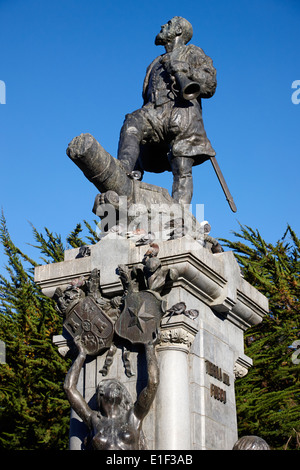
x: 195, y: 403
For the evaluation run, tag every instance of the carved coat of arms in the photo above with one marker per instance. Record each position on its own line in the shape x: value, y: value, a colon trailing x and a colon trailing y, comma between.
x: 90, y: 322
x: 141, y: 316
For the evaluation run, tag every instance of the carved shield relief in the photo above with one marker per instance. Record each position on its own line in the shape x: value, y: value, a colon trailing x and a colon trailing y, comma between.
x: 88, y: 321
x: 140, y: 317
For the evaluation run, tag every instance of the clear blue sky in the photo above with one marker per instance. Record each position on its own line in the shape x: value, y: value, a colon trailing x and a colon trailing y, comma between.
x: 73, y: 66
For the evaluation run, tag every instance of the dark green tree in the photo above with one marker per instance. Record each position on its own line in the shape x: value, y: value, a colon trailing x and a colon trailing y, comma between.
x: 34, y: 412
x: 268, y: 398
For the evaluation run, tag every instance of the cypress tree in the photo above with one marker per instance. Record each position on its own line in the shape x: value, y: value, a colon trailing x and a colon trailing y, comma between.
x: 34, y: 412
x: 268, y: 398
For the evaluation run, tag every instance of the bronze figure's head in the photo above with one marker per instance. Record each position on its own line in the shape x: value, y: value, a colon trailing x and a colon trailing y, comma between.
x: 176, y: 27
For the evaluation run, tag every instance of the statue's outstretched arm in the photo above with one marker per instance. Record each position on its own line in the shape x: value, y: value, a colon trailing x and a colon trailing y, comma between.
x: 76, y: 400
x: 147, y: 395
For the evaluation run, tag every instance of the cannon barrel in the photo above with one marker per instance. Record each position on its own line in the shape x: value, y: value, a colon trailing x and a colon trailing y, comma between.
x: 99, y: 167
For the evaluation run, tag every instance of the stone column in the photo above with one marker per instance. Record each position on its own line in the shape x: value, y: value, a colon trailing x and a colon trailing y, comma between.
x: 172, y: 402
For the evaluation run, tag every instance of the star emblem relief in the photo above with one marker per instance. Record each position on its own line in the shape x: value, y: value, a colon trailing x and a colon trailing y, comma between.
x: 137, y: 317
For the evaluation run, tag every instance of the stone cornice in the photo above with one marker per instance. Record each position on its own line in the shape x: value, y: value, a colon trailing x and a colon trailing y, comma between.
x: 213, y: 279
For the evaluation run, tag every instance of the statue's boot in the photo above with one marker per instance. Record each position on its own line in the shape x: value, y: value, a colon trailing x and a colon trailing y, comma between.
x: 182, y: 189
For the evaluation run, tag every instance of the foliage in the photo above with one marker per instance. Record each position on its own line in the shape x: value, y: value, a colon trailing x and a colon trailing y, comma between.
x: 34, y: 413
x: 268, y: 398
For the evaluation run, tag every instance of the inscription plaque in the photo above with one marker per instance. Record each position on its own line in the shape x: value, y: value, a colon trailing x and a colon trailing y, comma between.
x: 214, y: 371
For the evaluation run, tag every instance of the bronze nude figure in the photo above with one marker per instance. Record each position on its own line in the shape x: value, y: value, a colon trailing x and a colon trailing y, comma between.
x: 117, y: 424
x: 167, y: 133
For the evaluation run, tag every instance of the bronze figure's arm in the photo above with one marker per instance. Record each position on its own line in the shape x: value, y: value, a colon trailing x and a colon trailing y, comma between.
x: 75, y: 398
x: 147, y: 395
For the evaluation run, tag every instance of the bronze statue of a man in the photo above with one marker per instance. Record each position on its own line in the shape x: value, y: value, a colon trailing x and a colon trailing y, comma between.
x: 167, y: 133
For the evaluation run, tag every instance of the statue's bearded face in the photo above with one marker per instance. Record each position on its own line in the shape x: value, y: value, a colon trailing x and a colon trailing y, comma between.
x: 167, y: 33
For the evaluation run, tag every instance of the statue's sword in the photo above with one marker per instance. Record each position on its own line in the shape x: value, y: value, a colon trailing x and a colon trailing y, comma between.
x: 223, y: 184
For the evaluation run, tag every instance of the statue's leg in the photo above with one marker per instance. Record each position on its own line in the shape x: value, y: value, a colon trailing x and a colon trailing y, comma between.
x: 131, y: 135
x: 182, y: 189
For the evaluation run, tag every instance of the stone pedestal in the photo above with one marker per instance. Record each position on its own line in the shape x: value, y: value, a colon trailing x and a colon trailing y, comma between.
x: 195, y: 403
